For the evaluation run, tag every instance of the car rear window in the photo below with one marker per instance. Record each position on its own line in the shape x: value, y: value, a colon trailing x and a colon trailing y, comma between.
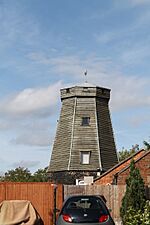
x: 88, y: 202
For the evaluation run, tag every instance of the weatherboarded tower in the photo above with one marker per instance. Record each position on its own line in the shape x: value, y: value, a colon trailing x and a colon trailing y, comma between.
x: 84, y: 143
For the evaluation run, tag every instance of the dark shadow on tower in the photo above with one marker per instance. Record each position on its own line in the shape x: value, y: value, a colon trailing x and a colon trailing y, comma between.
x: 84, y: 142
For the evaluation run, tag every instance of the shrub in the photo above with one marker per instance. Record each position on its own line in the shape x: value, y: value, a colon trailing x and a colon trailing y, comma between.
x: 134, y: 217
x: 134, y: 199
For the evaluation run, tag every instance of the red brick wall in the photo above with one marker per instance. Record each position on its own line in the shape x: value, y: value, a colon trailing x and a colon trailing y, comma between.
x: 108, y: 178
x: 143, y: 165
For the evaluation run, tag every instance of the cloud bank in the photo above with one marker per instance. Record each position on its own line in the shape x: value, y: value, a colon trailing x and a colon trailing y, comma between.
x: 33, y: 102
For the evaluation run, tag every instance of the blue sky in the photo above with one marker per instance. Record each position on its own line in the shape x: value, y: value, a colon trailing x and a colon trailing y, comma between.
x: 46, y: 45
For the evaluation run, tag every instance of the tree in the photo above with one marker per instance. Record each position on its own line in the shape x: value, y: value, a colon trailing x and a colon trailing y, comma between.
x: 146, y: 145
x: 134, y: 198
x: 19, y: 174
x: 40, y: 175
x: 124, y: 153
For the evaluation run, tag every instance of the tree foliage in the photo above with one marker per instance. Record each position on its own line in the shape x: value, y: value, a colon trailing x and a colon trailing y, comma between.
x: 124, y: 153
x: 140, y: 217
x: 134, y: 198
x: 146, y: 145
x: 21, y: 174
x: 40, y: 175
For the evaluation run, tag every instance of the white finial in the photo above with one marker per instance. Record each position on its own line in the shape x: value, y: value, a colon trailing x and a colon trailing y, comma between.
x: 85, y: 73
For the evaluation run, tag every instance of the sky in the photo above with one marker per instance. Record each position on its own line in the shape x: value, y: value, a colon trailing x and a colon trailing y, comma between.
x: 47, y: 45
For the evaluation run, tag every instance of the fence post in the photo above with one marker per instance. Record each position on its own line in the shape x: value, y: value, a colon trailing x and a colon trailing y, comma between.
x: 55, y: 208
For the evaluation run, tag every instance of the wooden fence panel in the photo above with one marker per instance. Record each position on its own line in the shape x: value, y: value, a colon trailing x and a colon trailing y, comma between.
x: 41, y: 196
x: 2, y: 192
x: 112, y: 193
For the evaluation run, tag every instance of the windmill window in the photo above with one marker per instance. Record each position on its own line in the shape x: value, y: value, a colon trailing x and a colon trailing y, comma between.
x: 68, y: 90
x: 85, y: 121
x: 85, y: 157
x: 85, y: 89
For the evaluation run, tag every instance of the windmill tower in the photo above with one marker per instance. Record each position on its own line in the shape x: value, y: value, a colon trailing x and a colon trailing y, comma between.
x: 84, y: 143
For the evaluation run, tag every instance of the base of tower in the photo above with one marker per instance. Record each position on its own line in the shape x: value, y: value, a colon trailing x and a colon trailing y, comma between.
x: 69, y: 177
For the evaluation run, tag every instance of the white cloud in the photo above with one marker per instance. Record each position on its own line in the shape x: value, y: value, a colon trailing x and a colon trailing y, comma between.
x: 31, y: 101
x: 128, y: 91
x: 27, y: 114
x: 30, y: 138
x: 25, y: 124
x: 5, y: 125
x: 1, y: 160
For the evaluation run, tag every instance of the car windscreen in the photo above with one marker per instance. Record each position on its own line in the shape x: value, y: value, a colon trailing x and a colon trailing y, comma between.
x: 88, y: 202
x: 85, y: 209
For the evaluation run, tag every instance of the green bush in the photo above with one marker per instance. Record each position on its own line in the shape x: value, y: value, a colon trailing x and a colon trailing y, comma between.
x: 145, y: 216
x: 139, y: 217
x: 132, y: 217
x: 134, y: 199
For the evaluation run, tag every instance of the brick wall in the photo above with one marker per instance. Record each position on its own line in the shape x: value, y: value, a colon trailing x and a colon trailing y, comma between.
x: 108, y: 177
x: 143, y: 164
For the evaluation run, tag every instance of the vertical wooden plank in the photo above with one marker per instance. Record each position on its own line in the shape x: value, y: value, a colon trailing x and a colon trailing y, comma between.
x: 10, y: 191
x: 2, y: 191
x: 48, y: 204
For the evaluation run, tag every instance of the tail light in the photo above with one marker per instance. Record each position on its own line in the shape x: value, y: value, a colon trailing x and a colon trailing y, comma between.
x: 67, y: 218
x: 103, y: 218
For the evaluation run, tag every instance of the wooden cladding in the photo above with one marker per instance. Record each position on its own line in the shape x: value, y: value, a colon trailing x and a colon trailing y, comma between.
x: 84, y: 125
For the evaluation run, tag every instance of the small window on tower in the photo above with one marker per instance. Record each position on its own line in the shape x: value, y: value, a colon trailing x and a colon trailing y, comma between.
x: 67, y: 90
x: 85, y: 121
x: 85, y: 157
